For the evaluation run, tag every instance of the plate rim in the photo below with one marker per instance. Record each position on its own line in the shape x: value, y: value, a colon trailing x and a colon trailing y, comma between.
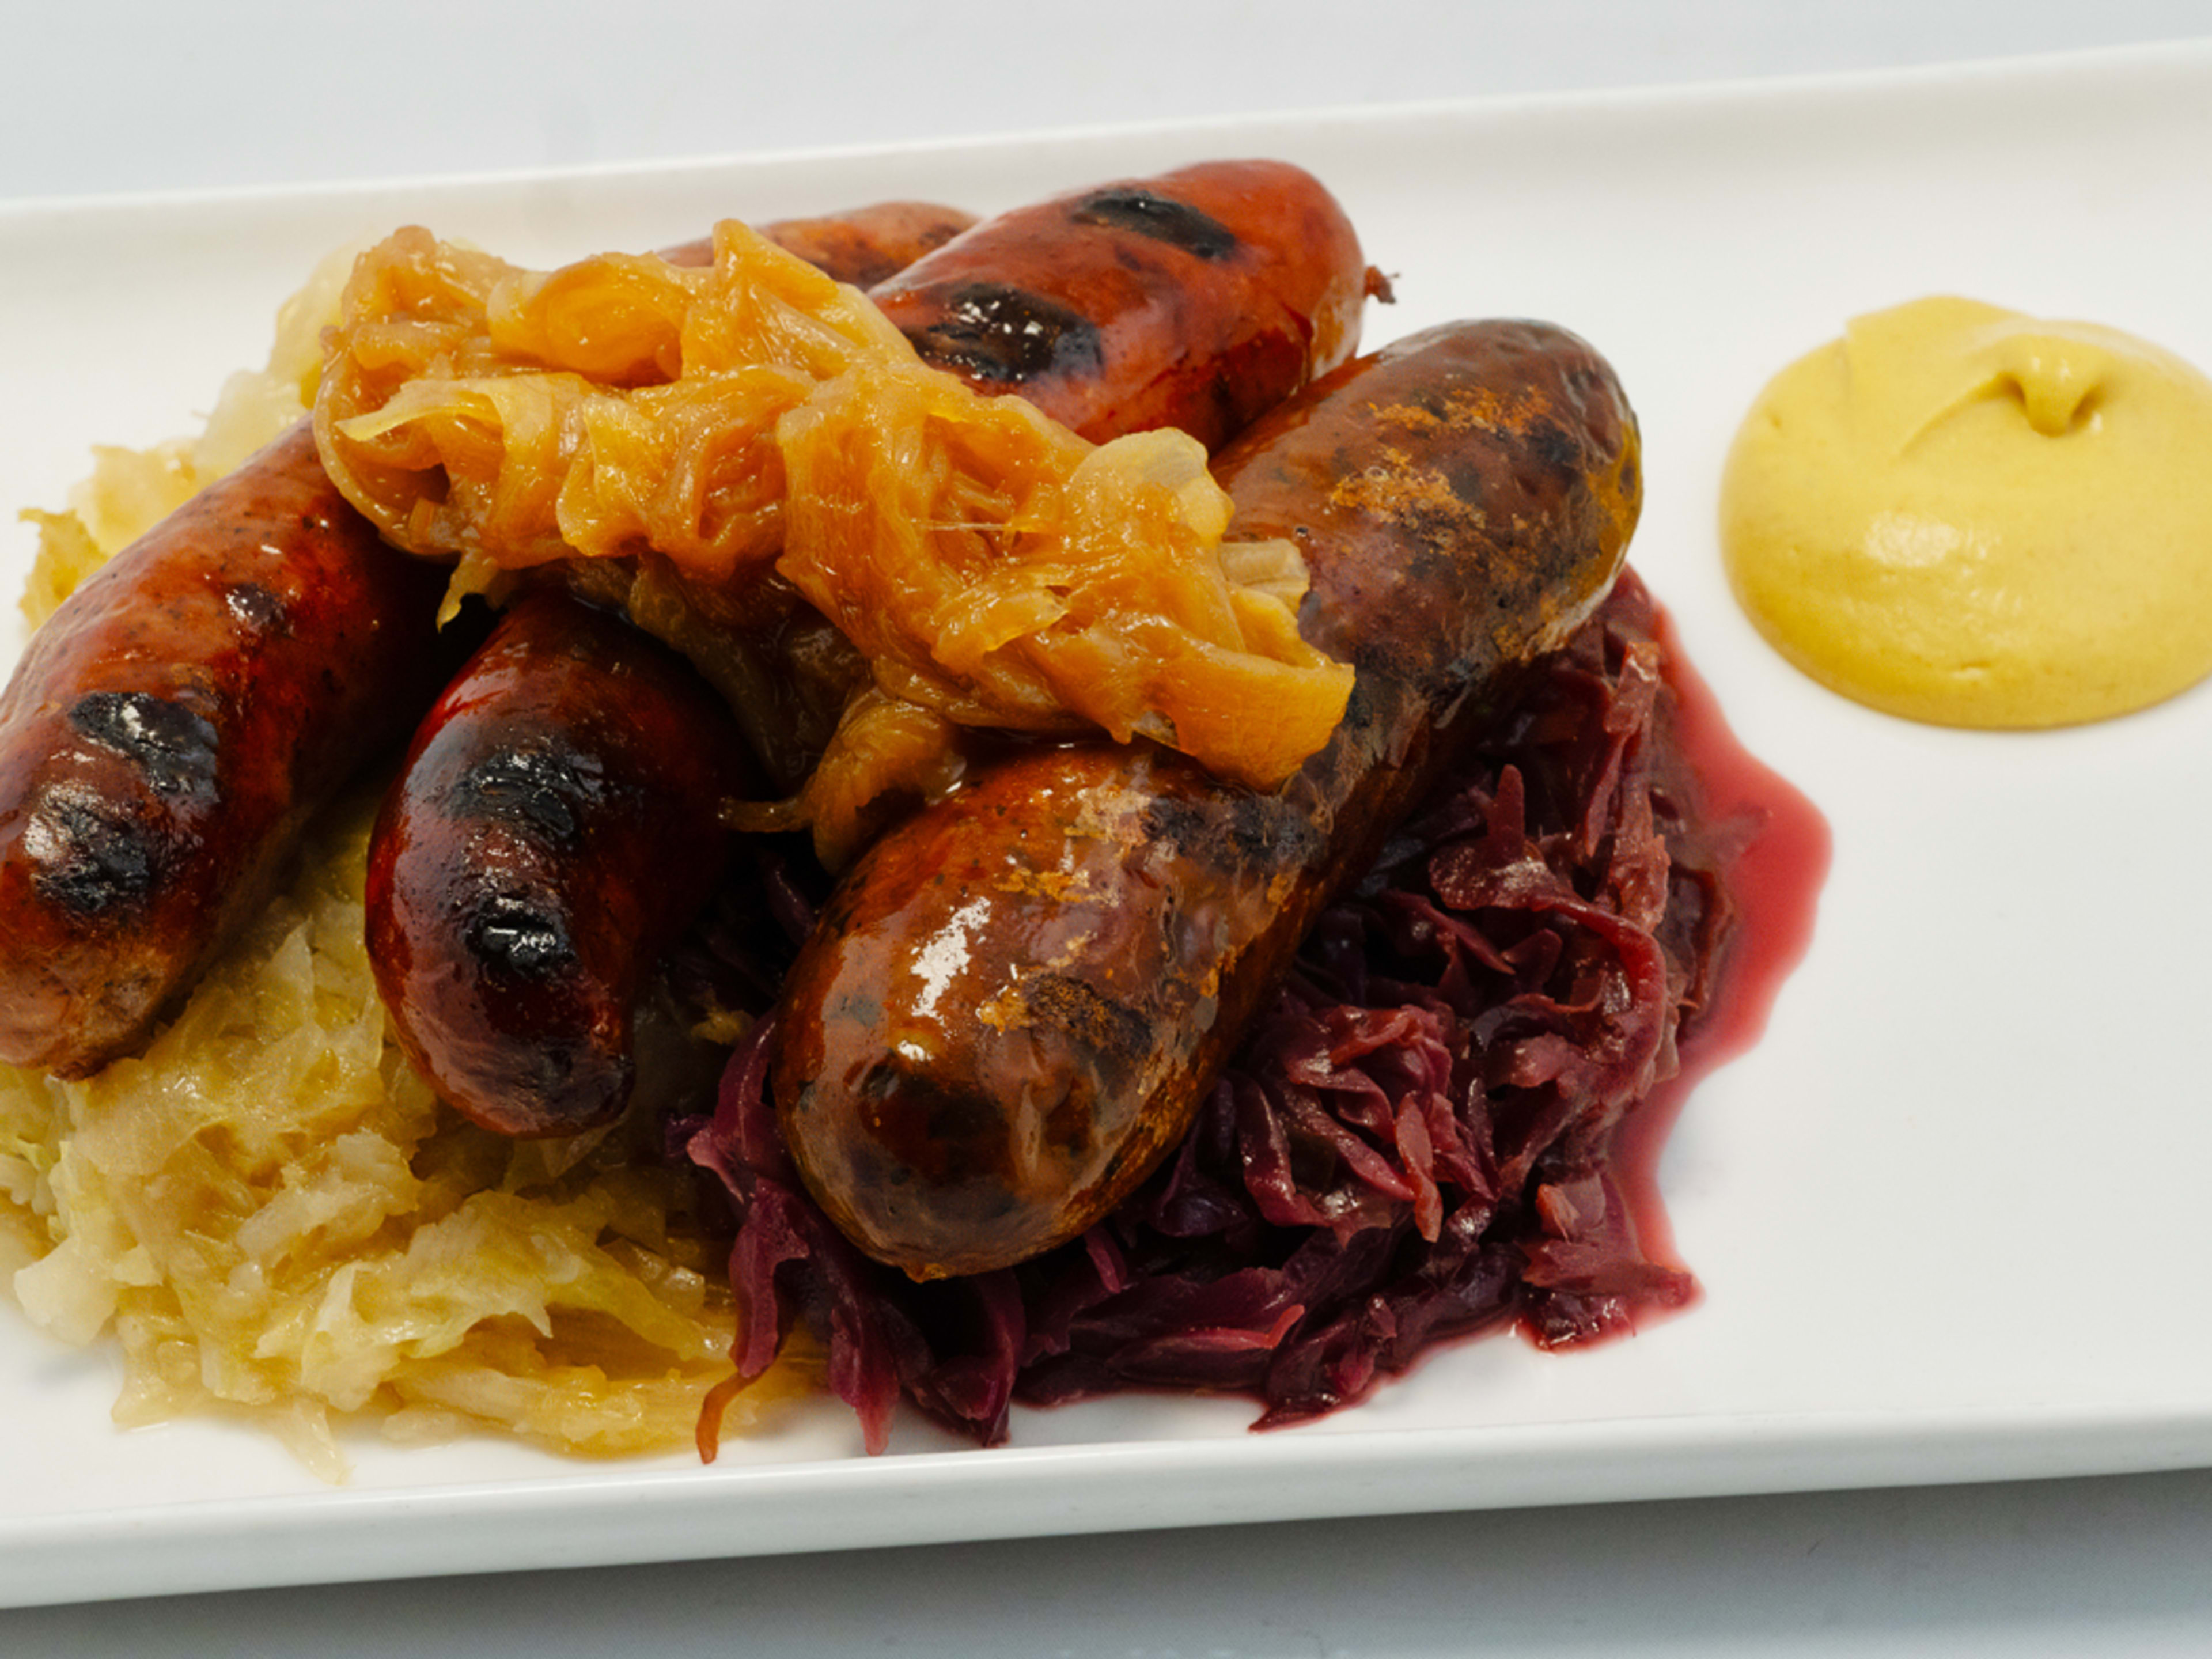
x: 1852, y: 1448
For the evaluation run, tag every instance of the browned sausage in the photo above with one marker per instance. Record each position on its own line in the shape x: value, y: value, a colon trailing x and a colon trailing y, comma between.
x: 1196, y: 300
x: 1016, y: 999
x: 555, y: 826
x: 862, y: 246
x: 169, y: 731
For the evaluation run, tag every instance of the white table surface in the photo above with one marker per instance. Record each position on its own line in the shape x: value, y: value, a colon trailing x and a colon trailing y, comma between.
x: 106, y: 98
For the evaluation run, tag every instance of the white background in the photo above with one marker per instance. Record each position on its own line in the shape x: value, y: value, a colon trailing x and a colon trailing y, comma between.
x: 104, y: 97
x: 115, y: 99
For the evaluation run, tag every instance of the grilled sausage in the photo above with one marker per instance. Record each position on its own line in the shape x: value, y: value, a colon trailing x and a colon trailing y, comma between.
x: 1195, y: 299
x: 554, y: 828
x: 1017, y: 999
x: 862, y: 246
x: 170, y: 730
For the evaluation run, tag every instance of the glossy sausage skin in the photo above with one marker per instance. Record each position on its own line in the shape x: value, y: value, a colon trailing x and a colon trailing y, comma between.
x: 1017, y: 999
x: 555, y: 826
x: 1196, y: 300
x: 862, y: 246
x: 169, y: 731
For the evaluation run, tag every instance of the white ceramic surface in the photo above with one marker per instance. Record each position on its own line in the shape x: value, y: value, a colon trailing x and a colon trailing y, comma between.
x: 1945, y: 1215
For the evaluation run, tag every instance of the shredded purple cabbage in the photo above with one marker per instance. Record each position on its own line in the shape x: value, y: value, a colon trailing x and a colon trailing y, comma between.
x: 1413, y: 1144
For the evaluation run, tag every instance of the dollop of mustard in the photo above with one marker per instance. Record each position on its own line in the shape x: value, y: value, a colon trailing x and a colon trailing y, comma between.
x: 1967, y: 516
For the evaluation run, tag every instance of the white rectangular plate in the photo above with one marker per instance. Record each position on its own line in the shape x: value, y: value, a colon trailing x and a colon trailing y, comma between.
x: 1948, y: 1215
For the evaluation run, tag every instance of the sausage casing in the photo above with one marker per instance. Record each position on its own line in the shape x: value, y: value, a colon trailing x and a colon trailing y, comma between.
x: 168, y: 733
x: 1196, y: 298
x: 1017, y: 999
x: 554, y: 825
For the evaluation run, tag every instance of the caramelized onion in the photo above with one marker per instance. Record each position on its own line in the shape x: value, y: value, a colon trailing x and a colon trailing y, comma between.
x: 755, y: 417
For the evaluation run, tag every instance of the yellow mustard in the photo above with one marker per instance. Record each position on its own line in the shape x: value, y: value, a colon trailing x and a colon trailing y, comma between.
x: 1967, y: 516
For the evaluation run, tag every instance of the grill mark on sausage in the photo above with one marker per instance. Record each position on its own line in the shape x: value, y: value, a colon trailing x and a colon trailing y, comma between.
x: 549, y: 789
x: 1161, y: 218
x: 519, y: 936
x: 90, y: 861
x: 1003, y: 335
x: 178, y: 750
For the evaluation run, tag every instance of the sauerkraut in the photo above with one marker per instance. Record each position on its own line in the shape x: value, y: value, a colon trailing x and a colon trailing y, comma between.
x: 273, y: 1214
x: 753, y: 417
